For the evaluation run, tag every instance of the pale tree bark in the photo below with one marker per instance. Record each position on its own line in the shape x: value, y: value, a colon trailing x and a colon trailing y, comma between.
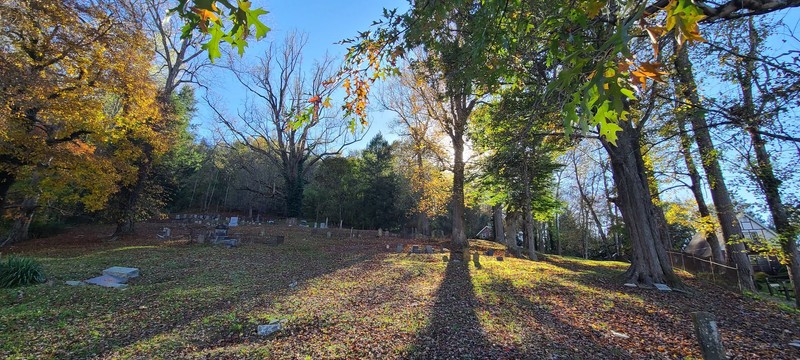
x: 686, y: 90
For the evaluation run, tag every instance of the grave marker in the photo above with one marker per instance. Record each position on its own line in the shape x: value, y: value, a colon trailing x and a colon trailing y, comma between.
x: 705, y: 327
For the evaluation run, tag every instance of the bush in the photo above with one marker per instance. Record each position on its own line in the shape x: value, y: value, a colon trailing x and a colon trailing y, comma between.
x: 20, y: 271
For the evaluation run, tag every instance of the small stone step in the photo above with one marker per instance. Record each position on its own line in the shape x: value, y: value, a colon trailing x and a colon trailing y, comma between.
x: 122, y: 272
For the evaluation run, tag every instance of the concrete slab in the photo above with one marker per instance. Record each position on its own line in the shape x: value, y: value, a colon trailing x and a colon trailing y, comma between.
x: 108, y: 281
x: 122, y: 272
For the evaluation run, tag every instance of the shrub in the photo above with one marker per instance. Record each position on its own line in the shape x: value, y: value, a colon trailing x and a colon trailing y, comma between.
x: 20, y: 271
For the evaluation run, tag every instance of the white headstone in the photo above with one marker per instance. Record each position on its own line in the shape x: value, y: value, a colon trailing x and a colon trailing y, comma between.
x: 234, y: 222
x: 122, y: 272
x: 662, y: 287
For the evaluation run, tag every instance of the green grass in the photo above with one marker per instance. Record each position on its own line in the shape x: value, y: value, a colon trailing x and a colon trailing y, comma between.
x: 356, y: 300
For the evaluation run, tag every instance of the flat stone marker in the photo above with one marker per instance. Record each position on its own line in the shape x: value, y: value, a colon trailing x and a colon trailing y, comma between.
x: 490, y: 252
x: 662, y: 287
x: 399, y: 248
x: 499, y: 258
x: 75, y: 283
x: 108, y: 281
x: 619, y: 335
x: 795, y: 344
x: 631, y: 285
x: 272, y: 327
x: 122, y: 272
x: 428, y: 249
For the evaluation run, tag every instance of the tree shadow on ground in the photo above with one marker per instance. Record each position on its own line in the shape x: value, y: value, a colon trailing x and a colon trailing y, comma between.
x: 548, y: 336
x: 454, y: 330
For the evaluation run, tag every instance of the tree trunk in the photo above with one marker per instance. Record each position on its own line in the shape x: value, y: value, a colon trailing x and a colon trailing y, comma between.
x: 499, y: 229
x: 763, y: 170
x: 22, y: 221
x: 511, y: 236
x: 696, y: 188
x: 649, y: 261
x: 459, y: 238
x: 527, y: 228
x: 687, y: 93
x: 6, y: 180
x: 294, y: 193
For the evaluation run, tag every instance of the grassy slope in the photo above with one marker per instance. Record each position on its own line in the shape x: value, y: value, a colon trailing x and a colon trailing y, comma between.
x: 355, y: 299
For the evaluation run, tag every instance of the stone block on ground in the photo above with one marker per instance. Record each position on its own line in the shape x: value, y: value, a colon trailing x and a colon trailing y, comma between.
x: 428, y: 249
x: 490, y: 252
x: 399, y: 248
x: 499, y: 258
x: 108, y: 281
x: 272, y: 327
x: 122, y: 272
x: 662, y: 287
x: 75, y: 283
x: 415, y: 249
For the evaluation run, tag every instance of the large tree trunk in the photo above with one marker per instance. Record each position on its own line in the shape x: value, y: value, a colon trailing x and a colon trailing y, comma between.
x: 687, y: 93
x: 497, y: 224
x: 763, y: 170
x: 511, y: 236
x: 459, y: 238
x: 294, y: 195
x: 649, y: 261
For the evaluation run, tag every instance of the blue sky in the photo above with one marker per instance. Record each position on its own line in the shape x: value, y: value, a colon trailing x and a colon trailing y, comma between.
x: 325, y: 23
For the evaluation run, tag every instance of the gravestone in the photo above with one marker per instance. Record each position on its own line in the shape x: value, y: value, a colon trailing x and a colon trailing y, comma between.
x: 490, y: 252
x: 234, y: 222
x: 279, y: 239
x: 75, y: 283
x: 380, y: 232
x: 705, y: 327
x: 272, y: 327
x: 399, y: 248
x: 122, y: 272
x: 165, y: 233
x: 323, y: 225
x: 329, y: 234
x: 177, y: 216
x: 662, y: 287
x: 428, y: 249
x: 415, y: 249
x: 261, y: 233
x: 499, y: 258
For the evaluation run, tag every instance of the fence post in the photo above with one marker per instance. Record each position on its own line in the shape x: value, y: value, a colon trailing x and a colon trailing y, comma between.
x: 713, y: 278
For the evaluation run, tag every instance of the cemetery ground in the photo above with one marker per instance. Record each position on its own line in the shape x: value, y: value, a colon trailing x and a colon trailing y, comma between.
x: 346, y: 297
